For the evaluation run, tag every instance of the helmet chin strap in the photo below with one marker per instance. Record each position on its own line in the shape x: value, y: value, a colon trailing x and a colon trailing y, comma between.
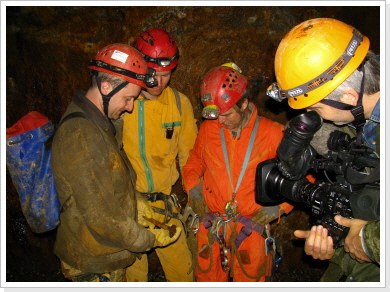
x: 107, y: 97
x: 357, y: 111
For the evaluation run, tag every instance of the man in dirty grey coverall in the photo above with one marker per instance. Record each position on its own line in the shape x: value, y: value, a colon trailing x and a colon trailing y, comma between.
x: 102, y: 230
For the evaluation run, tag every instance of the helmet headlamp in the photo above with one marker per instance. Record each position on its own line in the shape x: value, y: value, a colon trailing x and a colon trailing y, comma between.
x: 162, y: 62
x: 275, y: 93
x: 210, y: 112
x: 149, y: 79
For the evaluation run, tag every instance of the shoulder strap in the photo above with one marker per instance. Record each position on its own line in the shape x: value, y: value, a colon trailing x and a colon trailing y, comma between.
x: 70, y: 199
x: 68, y: 117
x: 73, y: 115
x: 178, y: 101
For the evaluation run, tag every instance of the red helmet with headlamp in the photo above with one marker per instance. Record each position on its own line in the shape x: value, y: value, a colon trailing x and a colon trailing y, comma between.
x: 158, y: 48
x: 221, y: 88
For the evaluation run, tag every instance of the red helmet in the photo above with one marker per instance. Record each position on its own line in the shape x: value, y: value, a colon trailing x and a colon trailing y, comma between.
x: 221, y: 88
x: 158, y: 48
x: 125, y: 62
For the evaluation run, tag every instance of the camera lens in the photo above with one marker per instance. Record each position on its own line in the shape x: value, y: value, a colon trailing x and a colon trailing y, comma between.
x: 294, y: 151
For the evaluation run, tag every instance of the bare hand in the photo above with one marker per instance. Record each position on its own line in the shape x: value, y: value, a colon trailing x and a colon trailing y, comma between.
x: 318, y: 244
x: 353, y: 241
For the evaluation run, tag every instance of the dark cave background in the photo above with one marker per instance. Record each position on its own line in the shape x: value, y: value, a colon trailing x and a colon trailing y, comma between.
x: 47, y: 53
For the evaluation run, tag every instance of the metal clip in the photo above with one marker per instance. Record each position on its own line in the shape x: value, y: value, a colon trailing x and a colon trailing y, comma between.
x: 270, y: 244
x: 194, y: 222
x: 176, y: 202
x: 222, y: 246
x: 231, y: 208
x: 218, y: 224
x: 224, y: 256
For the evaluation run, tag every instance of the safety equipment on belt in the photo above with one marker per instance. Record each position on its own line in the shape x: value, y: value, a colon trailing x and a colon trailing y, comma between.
x: 158, y: 48
x: 163, y: 238
x: 144, y: 210
x: 125, y: 62
x: 216, y: 224
x: 314, y: 58
x: 197, y: 201
x: 170, y: 201
x: 221, y: 88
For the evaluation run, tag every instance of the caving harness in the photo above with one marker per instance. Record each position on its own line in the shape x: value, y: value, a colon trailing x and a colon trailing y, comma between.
x: 168, y: 206
x: 216, y: 224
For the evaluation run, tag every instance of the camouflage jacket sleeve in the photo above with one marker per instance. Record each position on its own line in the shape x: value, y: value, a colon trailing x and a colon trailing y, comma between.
x: 371, y: 240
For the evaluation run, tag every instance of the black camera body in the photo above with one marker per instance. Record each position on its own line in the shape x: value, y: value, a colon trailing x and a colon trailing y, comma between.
x: 283, y: 178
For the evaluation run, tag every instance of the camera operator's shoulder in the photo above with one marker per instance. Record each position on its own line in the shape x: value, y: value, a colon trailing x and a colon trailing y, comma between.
x: 372, y: 239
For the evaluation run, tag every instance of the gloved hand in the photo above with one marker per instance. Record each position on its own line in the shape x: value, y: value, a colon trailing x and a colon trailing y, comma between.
x: 266, y: 215
x: 197, y: 201
x: 144, y: 209
x: 162, y: 236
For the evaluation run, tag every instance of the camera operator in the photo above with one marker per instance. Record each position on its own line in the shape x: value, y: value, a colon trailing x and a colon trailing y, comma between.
x: 325, y: 65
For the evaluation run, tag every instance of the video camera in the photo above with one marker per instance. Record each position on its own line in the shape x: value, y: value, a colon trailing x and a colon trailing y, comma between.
x: 354, y: 191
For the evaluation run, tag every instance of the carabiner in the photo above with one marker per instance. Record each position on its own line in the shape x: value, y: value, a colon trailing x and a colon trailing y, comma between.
x: 231, y: 208
x: 195, y: 222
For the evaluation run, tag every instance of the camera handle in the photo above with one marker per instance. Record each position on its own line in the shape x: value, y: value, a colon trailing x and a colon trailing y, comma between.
x: 335, y: 230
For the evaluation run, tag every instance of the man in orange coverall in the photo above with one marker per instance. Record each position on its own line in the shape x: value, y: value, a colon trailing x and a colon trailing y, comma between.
x: 220, y: 179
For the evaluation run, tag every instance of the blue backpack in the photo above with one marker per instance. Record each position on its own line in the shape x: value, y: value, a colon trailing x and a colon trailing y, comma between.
x: 28, y: 162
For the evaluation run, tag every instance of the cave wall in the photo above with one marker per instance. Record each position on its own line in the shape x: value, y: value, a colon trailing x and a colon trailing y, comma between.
x: 48, y: 50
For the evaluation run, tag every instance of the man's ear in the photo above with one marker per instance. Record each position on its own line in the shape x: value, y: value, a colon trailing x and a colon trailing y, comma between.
x: 106, y: 87
x: 350, y: 97
x: 244, y: 104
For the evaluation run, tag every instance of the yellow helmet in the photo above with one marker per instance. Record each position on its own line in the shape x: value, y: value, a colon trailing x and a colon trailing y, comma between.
x: 314, y: 58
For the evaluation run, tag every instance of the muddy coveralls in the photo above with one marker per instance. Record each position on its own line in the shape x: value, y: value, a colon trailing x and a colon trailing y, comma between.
x: 98, y: 233
x: 207, y: 163
x: 155, y: 134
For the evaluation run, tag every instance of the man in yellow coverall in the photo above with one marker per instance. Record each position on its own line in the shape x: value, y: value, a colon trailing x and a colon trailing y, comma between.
x: 160, y: 129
